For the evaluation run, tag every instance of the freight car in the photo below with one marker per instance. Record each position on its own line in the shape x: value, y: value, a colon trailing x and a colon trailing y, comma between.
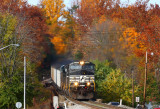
x: 76, y: 79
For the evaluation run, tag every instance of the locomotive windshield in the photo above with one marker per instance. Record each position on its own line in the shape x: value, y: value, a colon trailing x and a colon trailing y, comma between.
x: 76, y: 67
x: 88, y: 67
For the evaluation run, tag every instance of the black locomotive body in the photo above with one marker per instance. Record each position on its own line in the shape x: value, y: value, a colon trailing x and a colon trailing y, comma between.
x: 77, y: 79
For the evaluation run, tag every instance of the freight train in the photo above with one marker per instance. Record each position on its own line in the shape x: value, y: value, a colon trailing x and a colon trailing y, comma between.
x: 76, y: 79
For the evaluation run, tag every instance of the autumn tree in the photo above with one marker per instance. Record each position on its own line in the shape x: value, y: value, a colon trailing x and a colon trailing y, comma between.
x: 54, y: 9
x: 120, y: 34
x: 101, y: 41
x: 113, y: 82
x: 8, y: 24
x: 24, y: 25
x: 11, y: 67
x: 30, y: 26
x: 90, y: 10
x: 35, y: 40
x: 60, y: 22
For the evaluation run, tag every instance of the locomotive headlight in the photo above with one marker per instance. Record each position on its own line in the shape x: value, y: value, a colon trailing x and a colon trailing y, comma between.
x: 81, y: 62
x: 76, y: 84
x: 88, y: 83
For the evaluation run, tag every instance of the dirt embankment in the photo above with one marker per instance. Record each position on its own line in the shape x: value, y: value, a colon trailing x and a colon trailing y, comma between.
x: 44, y: 100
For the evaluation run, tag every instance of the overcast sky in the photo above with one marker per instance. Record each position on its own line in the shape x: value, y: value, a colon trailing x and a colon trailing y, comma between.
x: 35, y: 2
x: 68, y: 2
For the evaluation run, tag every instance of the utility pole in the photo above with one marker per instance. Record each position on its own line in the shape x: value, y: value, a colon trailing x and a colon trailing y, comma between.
x: 132, y: 89
x: 24, y: 82
x: 145, y: 80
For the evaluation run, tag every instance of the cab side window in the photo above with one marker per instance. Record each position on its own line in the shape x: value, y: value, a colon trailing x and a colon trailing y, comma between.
x: 62, y: 68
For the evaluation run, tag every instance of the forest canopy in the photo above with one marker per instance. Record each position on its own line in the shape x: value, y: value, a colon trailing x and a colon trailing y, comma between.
x: 113, y: 35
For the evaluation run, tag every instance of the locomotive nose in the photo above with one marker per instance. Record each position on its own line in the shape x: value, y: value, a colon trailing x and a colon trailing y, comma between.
x: 86, y: 72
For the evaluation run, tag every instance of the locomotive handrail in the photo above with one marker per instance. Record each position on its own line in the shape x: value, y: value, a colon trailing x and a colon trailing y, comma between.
x: 69, y: 87
x: 94, y: 84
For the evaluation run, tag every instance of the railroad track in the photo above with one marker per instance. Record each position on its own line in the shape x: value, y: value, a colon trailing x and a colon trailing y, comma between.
x: 102, y: 105
x: 93, y: 104
x: 86, y: 104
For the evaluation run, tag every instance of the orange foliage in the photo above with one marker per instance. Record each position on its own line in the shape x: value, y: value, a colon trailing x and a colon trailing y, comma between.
x: 30, y: 29
x: 131, y: 41
x: 90, y: 10
x: 102, y: 19
x: 59, y: 45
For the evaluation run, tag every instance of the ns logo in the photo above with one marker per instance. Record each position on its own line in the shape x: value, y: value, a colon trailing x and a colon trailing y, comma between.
x: 82, y: 78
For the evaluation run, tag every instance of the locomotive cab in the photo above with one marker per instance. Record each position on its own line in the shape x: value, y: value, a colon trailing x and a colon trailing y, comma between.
x: 76, y: 79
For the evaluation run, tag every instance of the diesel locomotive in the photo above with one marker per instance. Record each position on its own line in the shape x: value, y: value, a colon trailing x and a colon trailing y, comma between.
x: 76, y: 79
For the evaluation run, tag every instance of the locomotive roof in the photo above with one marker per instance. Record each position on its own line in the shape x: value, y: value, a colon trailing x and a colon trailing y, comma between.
x: 59, y: 63
x: 86, y: 62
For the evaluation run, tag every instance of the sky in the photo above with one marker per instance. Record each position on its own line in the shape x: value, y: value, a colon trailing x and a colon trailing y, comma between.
x: 68, y: 2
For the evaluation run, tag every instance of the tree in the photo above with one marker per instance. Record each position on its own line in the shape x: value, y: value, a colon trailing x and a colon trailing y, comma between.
x: 79, y: 55
x: 54, y: 9
x: 90, y: 10
x: 11, y: 67
x: 152, y: 88
x: 112, y: 84
x: 29, y: 33
x: 102, y: 70
x: 33, y: 33
x: 116, y: 87
x: 8, y: 56
x: 101, y: 41
x: 61, y: 25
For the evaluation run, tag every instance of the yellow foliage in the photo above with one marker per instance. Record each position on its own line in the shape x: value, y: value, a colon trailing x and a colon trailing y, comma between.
x: 102, y: 19
x: 130, y: 37
x: 60, y: 47
x: 53, y: 9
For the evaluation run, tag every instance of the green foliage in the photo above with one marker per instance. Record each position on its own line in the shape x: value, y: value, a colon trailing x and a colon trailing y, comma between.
x: 112, y: 85
x: 79, y: 55
x: 11, y: 91
x: 8, y: 23
x: 117, y: 87
x: 42, y: 94
x: 102, y: 69
x: 152, y: 91
x: 11, y: 67
x: 7, y: 37
x: 152, y: 88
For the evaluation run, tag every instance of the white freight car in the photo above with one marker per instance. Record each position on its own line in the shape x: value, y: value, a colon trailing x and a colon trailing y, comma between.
x: 56, y: 76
